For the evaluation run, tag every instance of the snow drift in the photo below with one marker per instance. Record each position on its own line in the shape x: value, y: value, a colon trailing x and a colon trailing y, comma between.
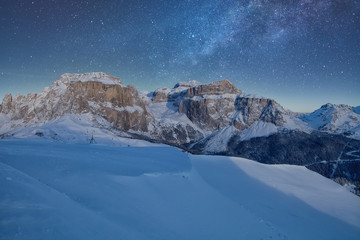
x: 83, y: 191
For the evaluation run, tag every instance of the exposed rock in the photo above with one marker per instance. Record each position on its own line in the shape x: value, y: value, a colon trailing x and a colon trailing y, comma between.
x: 189, y: 84
x: 250, y: 110
x: 85, y: 77
x: 178, y: 135
x: 215, y: 88
x: 97, y: 93
x: 209, y: 113
x: 6, y: 106
x: 210, y: 106
x: 220, y: 104
x: 161, y: 95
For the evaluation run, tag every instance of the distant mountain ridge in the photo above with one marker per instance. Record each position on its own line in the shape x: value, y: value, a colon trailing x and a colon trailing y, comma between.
x: 335, y: 119
x: 214, y: 118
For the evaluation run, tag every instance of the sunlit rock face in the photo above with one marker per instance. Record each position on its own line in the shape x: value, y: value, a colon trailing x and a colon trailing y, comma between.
x: 96, y: 93
x: 251, y: 110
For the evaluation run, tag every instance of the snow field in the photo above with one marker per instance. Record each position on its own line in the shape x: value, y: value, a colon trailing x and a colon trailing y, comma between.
x: 86, y: 191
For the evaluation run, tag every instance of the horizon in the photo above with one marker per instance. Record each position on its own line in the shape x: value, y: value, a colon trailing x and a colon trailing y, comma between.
x: 302, y: 54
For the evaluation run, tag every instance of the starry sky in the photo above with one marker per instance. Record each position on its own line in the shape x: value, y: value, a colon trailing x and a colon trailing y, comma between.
x: 302, y: 53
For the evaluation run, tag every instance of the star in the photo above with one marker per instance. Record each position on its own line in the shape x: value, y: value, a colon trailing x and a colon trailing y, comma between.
x: 259, y: 45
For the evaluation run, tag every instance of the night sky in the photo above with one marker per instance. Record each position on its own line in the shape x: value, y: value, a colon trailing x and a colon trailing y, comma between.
x: 301, y: 53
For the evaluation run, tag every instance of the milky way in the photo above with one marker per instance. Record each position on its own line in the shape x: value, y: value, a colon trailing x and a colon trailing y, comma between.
x: 301, y: 53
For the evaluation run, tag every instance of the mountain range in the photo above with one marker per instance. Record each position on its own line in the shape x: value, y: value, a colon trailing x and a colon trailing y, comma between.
x: 215, y: 118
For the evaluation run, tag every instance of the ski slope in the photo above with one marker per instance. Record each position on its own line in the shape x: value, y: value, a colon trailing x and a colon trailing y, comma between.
x: 52, y: 190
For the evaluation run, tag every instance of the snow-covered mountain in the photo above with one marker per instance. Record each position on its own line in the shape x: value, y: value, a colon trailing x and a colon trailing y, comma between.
x: 214, y: 118
x: 335, y: 119
x: 91, y: 191
x: 184, y: 114
x: 95, y: 93
x: 187, y: 113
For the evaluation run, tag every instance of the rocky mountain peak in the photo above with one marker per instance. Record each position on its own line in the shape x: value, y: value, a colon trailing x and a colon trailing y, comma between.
x: 88, y: 77
x: 335, y: 107
x: 161, y: 95
x: 193, y: 88
x: 331, y: 110
x: 192, y: 83
x: 202, y: 108
x: 215, y: 88
x: 252, y: 109
x: 327, y: 106
x: 5, y: 107
x: 96, y: 93
x: 339, y: 118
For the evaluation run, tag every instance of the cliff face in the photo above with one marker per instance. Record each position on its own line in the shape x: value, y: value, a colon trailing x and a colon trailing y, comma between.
x: 82, y: 93
x: 210, y: 106
x: 185, y: 114
x: 220, y: 104
x: 251, y: 110
x: 215, y: 88
x: 189, y: 112
x: 120, y: 105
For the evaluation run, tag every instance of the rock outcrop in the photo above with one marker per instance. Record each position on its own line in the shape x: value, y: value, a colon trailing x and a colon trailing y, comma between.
x: 215, y: 88
x: 97, y: 93
x: 7, y: 105
x: 160, y: 95
x: 251, y: 110
x: 210, y: 106
x: 219, y: 104
x: 185, y: 114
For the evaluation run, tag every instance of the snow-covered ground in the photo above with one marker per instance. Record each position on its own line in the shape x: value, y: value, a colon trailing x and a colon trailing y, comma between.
x: 52, y: 190
x: 75, y: 128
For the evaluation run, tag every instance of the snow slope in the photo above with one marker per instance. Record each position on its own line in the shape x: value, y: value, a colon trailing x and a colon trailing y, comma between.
x: 356, y: 109
x: 336, y: 119
x: 89, y: 191
x: 76, y: 128
x: 218, y: 141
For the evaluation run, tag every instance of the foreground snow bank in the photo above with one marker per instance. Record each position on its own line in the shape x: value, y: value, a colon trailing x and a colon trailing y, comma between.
x: 78, y: 191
